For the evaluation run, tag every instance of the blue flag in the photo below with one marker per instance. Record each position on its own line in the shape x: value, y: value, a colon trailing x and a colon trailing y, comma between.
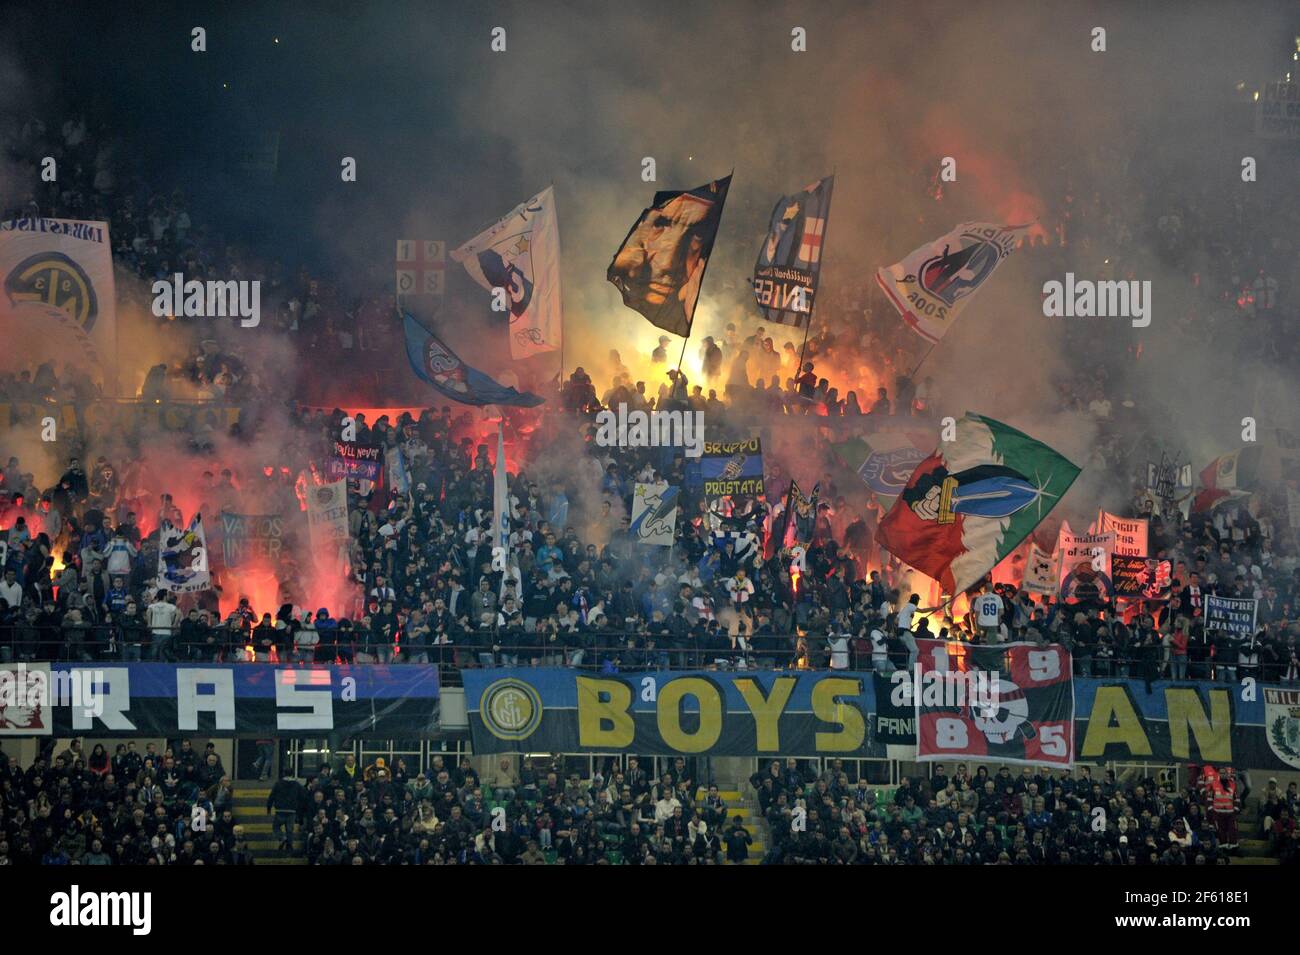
x: 434, y: 362
x: 785, y: 276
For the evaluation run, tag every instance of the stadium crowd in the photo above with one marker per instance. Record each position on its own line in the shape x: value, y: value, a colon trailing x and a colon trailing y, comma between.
x: 81, y: 553
x: 1006, y: 818
x: 130, y: 808
x: 177, y: 808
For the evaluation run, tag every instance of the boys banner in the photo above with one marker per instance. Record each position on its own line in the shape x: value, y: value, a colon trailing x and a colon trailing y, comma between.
x: 218, y: 699
x: 1012, y: 702
x: 1085, y: 565
x: 932, y: 286
x: 1233, y: 614
x: 521, y: 254
x: 183, y: 558
x: 1141, y: 578
x: 1130, y: 533
x: 856, y: 713
x: 654, y: 514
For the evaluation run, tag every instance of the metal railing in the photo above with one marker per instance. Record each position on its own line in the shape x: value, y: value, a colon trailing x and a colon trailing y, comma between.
x: 604, y: 651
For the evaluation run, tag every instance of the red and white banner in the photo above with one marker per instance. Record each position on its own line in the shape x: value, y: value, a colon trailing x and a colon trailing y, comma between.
x: 1010, y: 702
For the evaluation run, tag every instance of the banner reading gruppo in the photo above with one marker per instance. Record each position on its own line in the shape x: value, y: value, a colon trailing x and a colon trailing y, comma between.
x: 1011, y: 702
x: 732, y: 468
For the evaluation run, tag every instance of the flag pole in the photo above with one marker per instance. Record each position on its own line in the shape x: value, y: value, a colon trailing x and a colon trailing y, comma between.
x: 705, y: 272
x: 551, y: 186
x: 826, y: 228
x: 912, y: 374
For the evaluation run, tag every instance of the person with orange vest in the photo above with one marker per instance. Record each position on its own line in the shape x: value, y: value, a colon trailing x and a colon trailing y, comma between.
x: 1221, y: 789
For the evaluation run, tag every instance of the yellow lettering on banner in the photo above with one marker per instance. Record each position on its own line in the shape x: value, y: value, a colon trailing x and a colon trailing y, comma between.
x: 1112, y: 702
x: 767, y: 711
x: 829, y: 709
x: 1187, y: 718
x: 669, y: 714
x: 603, y: 719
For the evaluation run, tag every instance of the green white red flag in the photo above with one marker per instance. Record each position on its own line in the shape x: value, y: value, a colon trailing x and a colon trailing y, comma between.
x: 973, y: 501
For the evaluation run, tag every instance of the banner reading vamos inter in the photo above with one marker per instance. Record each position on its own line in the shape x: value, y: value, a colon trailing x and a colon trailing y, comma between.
x: 856, y: 713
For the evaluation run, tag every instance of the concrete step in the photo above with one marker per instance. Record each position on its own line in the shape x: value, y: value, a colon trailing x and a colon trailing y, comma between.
x: 1251, y: 848
x: 271, y: 860
x: 1255, y: 860
x: 254, y: 828
x: 728, y: 795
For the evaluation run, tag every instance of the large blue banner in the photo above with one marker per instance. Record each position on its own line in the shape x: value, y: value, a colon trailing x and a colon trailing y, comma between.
x: 217, y: 699
x: 851, y: 713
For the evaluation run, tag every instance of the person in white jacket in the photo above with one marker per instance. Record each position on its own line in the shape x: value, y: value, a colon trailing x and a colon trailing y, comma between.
x: 162, y: 617
x: 305, y: 640
x: 664, y: 808
x: 119, y: 553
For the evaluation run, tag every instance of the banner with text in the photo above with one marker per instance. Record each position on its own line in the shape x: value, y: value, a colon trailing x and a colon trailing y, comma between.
x: 1233, y: 614
x: 849, y: 713
x: 218, y: 699
x: 1130, y: 533
x: 1141, y: 578
x: 732, y: 468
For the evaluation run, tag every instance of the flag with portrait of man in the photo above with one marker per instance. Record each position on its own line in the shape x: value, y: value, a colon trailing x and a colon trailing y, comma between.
x: 660, y: 266
x: 785, y: 275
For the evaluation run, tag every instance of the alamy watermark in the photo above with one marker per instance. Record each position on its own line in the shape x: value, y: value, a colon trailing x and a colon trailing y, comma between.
x: 651, y: 429
x: 28, y: 695
x: 76, y: 908
x: 210, y: 299
x: 1085, y: 298
x: 977, y: 689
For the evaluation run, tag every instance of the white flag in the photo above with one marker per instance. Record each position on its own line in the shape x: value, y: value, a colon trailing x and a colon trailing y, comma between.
x: 183, y: 558
x: 500, y: 504
x: 521, y: 254
x: 1084, y: 566
x: 933, y: 284
x: 327, y: 516
x: 59, y: 298
x: 1040, y: 571
x: 654, y: 513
